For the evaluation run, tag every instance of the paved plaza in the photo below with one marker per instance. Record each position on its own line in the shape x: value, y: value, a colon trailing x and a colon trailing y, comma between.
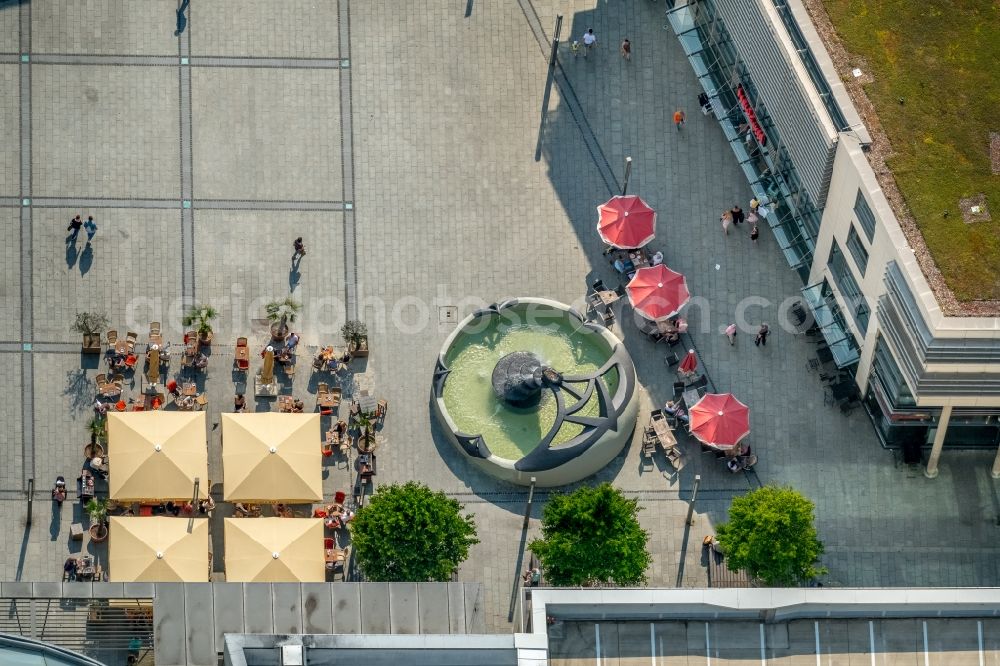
x: 408, y: 145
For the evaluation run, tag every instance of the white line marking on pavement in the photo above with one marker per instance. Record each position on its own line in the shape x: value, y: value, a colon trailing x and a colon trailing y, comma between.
x: 597, y: 635
x: 652, y: 644
x: 816, y: 629
x: 708, y: 646
x: 979, y: 626
x: 871, y: 639
x: 763, y: 650
x: 927, y: 656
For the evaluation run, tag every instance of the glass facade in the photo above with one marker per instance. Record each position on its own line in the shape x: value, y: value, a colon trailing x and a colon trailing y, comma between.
x: 825, y: 310
x: 850, y: 291
x: 858, y: 250
x: 786, y: 206
x: 898, y: 419
x: 865, y: 216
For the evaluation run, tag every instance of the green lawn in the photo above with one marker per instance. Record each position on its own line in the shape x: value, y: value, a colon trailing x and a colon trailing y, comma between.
x: 942, y: 59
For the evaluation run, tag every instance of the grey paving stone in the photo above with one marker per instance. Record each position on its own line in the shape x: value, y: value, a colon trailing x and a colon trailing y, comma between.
x: 257, y: 28
x: 10, y: 28
x: 10, y: 128
x: 115, y: 27
x: 131, y: 271
x: 266, y: 134
x: 77, y: 152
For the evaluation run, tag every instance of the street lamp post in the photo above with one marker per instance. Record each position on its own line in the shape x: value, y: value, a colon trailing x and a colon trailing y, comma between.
x: 628, y: 172
x: 694, y: 496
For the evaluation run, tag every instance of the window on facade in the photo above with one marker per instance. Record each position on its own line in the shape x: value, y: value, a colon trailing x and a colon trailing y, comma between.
x: 848, y: 286
x: 857, y: 250
x: 865, y: 216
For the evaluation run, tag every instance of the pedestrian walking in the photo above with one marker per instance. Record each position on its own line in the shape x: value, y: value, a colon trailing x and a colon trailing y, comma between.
x: 589, y: 40
x: 754, y: 233
x: 731, y: 333
x: 727, y: 219
x: 754, y: 205
x: 574, y: 48
x: 299, y: 247
x: 74, y: 229
x: 679, y: 119
x: 90, y: 227
x: 737, y: 214
x: 627, y: 49
x: 762, y: 334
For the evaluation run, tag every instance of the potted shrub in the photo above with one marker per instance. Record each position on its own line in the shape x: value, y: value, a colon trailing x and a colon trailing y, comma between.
x: 97, y: 510
x: 366, y: 438
x: 90, y: 325
x: 281, y: 314
x: 355, y: 335
x: 98, y: 428
x: 201, y: 316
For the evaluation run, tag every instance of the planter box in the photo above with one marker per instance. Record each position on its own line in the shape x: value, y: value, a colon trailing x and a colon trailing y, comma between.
x: 358, y: 352
x: 92, y: 344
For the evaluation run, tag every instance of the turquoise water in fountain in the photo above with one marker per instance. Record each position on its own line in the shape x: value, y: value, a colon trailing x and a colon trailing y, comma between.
x: 468, y: 392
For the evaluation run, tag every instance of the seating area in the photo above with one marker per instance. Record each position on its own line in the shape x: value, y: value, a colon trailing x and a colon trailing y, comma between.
x: 347, y: 438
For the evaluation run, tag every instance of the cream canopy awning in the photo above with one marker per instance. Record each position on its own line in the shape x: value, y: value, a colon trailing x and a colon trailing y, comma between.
x: 275, y: 550
x: 157, y: 455
x: 272, y: 456
x: 158, y: 549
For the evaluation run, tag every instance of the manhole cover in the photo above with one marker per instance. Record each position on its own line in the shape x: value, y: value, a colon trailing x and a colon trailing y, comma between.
x: 447, y: 314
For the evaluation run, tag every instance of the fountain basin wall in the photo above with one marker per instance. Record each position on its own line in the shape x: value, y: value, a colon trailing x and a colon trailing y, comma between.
x: 582, y: 421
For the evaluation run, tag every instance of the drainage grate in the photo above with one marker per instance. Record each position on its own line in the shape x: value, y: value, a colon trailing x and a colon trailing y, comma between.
x: 447, y: 314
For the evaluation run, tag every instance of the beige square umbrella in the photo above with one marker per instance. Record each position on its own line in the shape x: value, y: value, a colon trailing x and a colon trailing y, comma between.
x: 275, y: 550
x: 157, y: 549
x: 270, y: 456
x: 157, y: 455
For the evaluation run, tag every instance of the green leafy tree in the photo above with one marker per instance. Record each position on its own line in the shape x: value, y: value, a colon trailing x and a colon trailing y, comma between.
x: 592, y: 535
x: 411, y: 533
x: 771, y: 535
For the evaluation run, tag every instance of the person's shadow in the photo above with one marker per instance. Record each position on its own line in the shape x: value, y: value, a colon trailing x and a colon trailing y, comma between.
x: 86, y: 259
x: 294, y: 276
x: 71, y: 252
x: 181, y: 18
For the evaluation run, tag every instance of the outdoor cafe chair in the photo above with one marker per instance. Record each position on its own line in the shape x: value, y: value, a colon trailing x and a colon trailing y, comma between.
x: 118, y: 380
x: 380, y: 410
x: 154, y: 328
x: 112, y: 337
x: 130, y: 339
x: 101, y: 379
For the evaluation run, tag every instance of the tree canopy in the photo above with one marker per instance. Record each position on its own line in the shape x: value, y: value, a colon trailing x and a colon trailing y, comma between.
x: 411, y: 533
x: 592, y: 535
x: 771, y: 535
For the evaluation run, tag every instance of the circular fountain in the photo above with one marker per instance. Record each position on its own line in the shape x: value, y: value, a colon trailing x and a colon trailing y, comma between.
x: 528, y: 388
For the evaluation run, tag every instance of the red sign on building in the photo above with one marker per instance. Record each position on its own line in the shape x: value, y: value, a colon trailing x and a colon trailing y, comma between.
x: 751, y: 117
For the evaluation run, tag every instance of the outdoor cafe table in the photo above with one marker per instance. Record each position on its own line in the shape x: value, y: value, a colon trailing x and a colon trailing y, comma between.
x: 691, y: 395
x: 664, y: 433
x: 327, y: 399
x: 190, y: 389
x: 156, y: 339
x: 608, y: 297
x: 285, y: 403
x: 367, y: 404
x: 121, y: 346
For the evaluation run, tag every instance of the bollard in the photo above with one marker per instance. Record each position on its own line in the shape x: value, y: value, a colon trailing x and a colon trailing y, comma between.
x: 527, y: 508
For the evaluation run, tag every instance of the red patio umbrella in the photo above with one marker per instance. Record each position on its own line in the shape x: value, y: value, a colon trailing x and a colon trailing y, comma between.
x: 626, y: 222
x: 690, y: 363
x: 720, y: 420
x: 657, y: 292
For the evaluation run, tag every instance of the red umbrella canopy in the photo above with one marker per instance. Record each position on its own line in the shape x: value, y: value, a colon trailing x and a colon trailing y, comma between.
x: 720, y: 420
x: 657, y: 292
x: 690, y: 362
x: 626, y: 222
